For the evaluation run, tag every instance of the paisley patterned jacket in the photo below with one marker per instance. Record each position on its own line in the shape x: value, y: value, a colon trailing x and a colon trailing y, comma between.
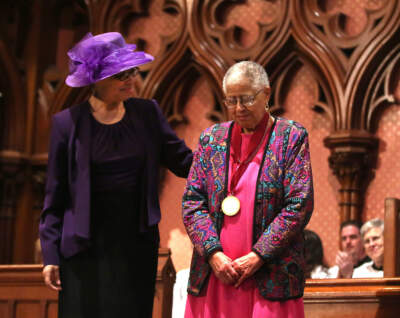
x: 282, y: 208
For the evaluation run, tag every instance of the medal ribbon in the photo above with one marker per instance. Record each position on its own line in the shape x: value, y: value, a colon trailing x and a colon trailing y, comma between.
x: 256, y: 140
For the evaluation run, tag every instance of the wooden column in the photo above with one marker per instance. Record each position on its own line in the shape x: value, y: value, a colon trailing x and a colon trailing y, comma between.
x: 391, y: 260
x: 352, y: 159
x: 12, y: 167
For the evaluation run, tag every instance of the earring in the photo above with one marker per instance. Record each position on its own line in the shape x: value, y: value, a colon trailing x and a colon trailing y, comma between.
x: 267, y: 107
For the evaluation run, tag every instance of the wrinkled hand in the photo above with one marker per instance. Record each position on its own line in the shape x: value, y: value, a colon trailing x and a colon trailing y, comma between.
x: 223, y: 269
x: 51, y: 275
x: 246, y: 266
x: 345, y: 262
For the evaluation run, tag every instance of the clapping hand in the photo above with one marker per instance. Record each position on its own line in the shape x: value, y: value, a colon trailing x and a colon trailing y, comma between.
x: 345, y: 262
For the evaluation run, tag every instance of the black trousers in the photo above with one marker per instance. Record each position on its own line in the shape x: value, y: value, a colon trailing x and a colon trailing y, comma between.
x: 116, y: 276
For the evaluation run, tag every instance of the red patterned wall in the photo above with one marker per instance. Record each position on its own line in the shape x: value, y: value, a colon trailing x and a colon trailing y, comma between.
x: 298, y: 106
x: 386, y: 182
x: 173, y: 233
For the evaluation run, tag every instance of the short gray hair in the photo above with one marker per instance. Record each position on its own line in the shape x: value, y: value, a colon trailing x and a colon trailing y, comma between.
x: 252, y: 70
x: 370, y: 225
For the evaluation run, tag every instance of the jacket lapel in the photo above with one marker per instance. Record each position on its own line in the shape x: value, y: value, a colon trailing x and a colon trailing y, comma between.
x: 81, y: 186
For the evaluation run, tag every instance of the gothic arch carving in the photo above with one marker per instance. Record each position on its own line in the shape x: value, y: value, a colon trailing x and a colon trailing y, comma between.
x: 346, y: 60
x: 380, y: 83
x: 176, y: 87
x: 356, y: 69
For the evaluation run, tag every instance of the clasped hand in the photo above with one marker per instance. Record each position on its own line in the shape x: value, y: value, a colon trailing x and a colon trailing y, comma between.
x: 237, y: 271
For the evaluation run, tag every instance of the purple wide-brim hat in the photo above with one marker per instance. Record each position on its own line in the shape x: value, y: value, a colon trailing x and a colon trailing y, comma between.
x: 95, y: 58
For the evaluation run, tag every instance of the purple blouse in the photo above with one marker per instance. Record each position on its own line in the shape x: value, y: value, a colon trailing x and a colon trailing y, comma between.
x: 117, y: 157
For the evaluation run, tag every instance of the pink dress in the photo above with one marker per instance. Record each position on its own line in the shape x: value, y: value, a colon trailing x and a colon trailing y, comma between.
x: 225, y: 301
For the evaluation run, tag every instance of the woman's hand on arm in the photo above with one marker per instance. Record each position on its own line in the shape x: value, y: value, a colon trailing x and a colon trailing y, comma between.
x: 51, y: 275
x: 223, y: 269
x: 246, y: 266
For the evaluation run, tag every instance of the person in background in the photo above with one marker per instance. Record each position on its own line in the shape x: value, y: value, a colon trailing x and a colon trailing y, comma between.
x: 352, y: 252
x: 248, y: 197
x: 98, y: 228
x: 372, y: 237
x: 314, y: 256
x: 180, y: 293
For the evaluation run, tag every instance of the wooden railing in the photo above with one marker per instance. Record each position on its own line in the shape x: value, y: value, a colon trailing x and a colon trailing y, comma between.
x: 24, y: 295
x: 352, y: 298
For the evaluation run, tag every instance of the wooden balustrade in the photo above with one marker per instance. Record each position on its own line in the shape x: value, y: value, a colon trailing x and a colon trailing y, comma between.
x: 24, y: 295
x: 352, y: 298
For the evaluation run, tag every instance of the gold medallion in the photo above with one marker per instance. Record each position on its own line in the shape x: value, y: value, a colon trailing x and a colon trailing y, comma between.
x: 230, y: 205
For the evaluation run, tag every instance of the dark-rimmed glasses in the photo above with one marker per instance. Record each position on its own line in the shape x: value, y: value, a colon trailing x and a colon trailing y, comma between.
x: 244, y: 100
x: 124, y: 75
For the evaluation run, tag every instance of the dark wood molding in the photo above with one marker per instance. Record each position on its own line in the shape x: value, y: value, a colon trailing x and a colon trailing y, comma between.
x: 392, y: 236
x: 12, y: 177
x: 352, y: 160
x: 357, y: 298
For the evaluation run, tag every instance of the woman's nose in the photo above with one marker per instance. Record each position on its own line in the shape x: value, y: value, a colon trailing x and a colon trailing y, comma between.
x: 239, y: 104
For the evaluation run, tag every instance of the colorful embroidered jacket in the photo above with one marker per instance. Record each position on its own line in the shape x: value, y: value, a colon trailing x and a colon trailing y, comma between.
x: 282, y: 208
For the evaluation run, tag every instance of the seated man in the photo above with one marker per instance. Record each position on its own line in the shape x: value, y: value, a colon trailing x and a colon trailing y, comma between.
x: 372, y: 236
x: 352, y: 254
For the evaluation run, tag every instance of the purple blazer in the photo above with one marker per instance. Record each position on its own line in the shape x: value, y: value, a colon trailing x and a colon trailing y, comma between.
x: 65, y: 220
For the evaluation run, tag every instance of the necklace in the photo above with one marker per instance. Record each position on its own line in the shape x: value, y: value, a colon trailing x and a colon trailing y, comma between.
x: 231, y: 204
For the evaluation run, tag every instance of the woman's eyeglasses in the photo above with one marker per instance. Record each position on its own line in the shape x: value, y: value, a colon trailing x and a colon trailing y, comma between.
x: 244, y: 100
x: 123, y: 76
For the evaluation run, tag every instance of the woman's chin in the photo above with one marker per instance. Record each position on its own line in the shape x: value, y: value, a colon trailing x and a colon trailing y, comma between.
x: 127, y: 93
x: 244, y: 123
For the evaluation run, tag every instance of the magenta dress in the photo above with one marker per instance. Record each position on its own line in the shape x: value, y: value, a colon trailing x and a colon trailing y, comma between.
x: 218, y: 300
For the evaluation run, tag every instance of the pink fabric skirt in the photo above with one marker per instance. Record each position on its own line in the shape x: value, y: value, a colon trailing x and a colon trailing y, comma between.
x: 243, y: 302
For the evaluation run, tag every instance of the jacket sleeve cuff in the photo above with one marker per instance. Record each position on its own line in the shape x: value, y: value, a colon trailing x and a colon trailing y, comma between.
x: 212, y: 249
x: 265, y: 258
x: 51, y: 255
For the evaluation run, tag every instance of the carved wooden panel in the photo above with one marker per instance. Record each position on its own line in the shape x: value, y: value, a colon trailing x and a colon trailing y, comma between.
x: 347, y: 52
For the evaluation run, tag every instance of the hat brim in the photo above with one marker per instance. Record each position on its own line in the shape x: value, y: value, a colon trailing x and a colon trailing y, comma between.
x: 77, y: 81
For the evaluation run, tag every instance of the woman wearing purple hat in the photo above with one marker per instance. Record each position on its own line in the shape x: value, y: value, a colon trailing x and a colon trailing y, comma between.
x: 98, y: 228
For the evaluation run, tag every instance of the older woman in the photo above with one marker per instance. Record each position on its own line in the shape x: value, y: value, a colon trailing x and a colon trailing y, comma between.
x: 372, y: 237
x: 98, y: 228
x: 248, y: 197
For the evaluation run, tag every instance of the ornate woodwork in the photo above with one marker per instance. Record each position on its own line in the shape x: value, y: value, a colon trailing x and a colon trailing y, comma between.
x: 355, y: 67
x: 353, y: 155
